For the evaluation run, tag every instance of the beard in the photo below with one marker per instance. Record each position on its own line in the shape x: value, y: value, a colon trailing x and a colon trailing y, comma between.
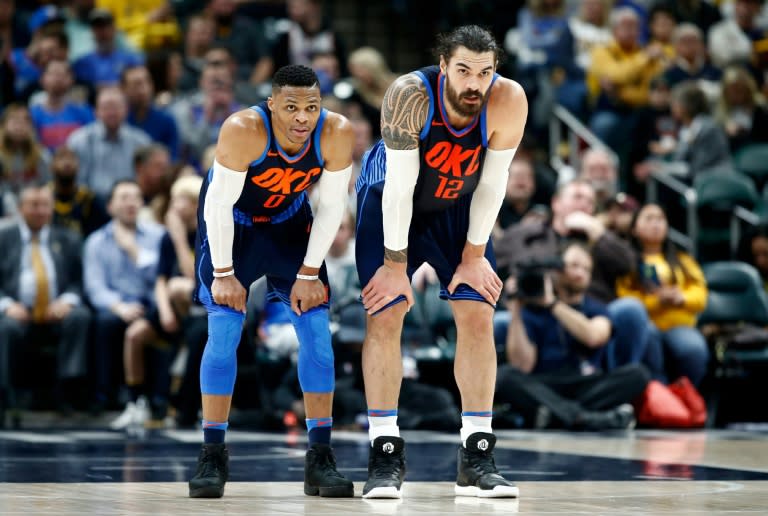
x: 573, y: 290
x: 454, y: 98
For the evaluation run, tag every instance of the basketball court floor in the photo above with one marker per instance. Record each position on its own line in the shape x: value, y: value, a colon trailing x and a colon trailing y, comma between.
x: 88, y: 471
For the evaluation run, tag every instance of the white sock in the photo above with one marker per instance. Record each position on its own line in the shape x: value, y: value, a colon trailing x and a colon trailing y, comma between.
x: 472, y: 424
x: 380, y: 426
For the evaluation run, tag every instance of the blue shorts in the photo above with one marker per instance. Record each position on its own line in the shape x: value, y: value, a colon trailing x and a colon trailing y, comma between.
x: 435, y: 238
x: 272, y: 249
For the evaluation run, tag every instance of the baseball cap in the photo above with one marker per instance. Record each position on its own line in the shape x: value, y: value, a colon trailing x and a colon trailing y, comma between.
x: 100, y: 16
x: 45, y: 15
x: 624, y: 202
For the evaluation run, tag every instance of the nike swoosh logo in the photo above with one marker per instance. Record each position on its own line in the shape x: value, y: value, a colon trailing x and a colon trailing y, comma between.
x: 272, y: 154
x: 438, y: 123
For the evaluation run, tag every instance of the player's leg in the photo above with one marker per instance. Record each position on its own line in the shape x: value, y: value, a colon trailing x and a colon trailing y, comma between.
x: 382, y: 360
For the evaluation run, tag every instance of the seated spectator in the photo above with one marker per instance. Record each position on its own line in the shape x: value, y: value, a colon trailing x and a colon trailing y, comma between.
x: 120, y: 269
x: 619, y: 78
x: 702, y: 144
x: 153, y: 175
x: 103, y: 66
x: 244, y: 36
x: 79, y: 32
x: 40, y: 296
x: 148, y: 24
x: 75, y: 206
x: 198, y: 39
x: 22, y: 159
x: 735, y: 41
x: 106, y: 146
x: 753, y: 249
x: 573, y: 210
x: 173, y: 293
x: 57, y: 115
x: 698, y: 12
x: 742, y: 110
x: 200, y: 116
x: 661, y: 27
x: 139, y: 93
x: 553, y: 350
x: 371, y: 77
x: 673, y: 289
x: 521, y: 185
x: 619, y: 213
x: 28, y: 63
x: 691, y: 63
x: 340, y: 261
x: 600, y: 170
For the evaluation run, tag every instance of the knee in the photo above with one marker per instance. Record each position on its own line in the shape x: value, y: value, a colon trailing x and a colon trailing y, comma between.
x: 180, y: 289
x: 628, y: 311
x: 224, y: 333
x: 382, y: 326
x: 136, y: 334
x: 11, y: 327
x: 474, y: 319
x: 79, y: 316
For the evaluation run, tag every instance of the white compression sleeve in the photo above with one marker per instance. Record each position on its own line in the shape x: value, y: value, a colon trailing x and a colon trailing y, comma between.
x: 332, y: 201
x: 222, y: 194
x: 489, y: 195
x: 397, y: 199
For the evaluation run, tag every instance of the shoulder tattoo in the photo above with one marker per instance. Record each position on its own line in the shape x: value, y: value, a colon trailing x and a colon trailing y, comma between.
x: 404, y: 113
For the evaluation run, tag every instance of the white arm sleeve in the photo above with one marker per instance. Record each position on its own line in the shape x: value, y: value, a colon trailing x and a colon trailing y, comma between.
x: 332, y: 201
x: 489, y: 194
x: 397, y: 199
x: 222, y: 194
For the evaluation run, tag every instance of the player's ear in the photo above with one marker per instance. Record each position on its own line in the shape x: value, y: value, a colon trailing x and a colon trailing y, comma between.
x: 270, y: 104
x: 443, y: 65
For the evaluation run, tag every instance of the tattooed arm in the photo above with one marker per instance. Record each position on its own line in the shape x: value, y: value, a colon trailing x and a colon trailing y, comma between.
x: 403, y: 114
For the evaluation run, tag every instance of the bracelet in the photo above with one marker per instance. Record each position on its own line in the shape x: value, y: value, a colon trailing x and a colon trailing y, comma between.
x: 307, y: 277
x: 230, y: 272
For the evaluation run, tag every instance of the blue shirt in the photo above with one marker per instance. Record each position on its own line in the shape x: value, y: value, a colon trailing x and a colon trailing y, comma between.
x: 104, y: 69
x: 557, y: 350
x: 53, y: 128
x: 27, y: 72
x: 111, y: 276
x: 161, y: 127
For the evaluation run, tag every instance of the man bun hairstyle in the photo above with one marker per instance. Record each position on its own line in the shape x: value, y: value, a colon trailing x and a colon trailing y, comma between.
x: 472, y: 37
x: 294, y: 75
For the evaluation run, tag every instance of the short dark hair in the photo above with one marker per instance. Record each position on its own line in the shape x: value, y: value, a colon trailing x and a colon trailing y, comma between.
x: 472, y: 37
x: 294, y: 75
x: 692, y: 98
x: 131, y: 68
x: 118, y: 183
x: 142, y: 154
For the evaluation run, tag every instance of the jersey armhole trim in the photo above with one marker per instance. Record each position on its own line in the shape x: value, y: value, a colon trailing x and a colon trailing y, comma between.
x: 428, y: 123
x: 318, y: 133
x: 265, y: 119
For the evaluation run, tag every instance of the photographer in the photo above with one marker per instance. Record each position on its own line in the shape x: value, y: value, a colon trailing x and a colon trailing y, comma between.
x: 555, y: 341
x: 573, y: 208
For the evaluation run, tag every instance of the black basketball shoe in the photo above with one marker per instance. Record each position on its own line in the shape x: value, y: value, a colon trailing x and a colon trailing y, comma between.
x: 386, y: 468
x: 477, y: 473
x: 320, y: 474
x: 212, y: 472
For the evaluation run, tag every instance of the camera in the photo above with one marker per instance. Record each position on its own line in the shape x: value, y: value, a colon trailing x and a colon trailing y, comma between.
x: 531, y: 274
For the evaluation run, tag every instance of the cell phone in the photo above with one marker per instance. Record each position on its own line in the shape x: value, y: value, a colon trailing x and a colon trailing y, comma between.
x: 649, y: 276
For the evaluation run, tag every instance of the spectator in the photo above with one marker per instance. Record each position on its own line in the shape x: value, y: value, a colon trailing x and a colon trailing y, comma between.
x: 106, y: 146
x: 30, y: 62
x: 553, y: 349
x: 57, y: 116
x: 691, y: 61
x: 573, y: 210
x: 198, y: 39
x: 22, y: 159
x: 371, y: 77
x: 741, y: 109
x: 75, y: 206
x: 309, y: 33
x: 40, y: 294
x: 698, y: 12
x: 139, y: 92
x: 661, y: 25
x: 734, y: 41
x: 79, y: 32
x: 618, y: 214
x: 173, y: 293
x: 600, y: 170
x: 753, y: 249
x: 103, y: 66
x: 220, y: 56
x: 702, y: 143
x: 120, y: 269
x: 673, y: 289
x: 619, y: 79
x: 244, y: 36
x: 199, y: 116
x: 521, y: 185
x: 153, y: 175
x: 148, y: 24
x: 340, y: 262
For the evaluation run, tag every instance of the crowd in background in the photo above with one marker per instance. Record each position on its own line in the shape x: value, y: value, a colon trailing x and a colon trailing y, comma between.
x: 110, y: 115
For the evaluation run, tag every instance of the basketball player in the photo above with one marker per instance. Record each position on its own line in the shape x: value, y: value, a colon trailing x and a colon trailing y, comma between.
x: 255, y: 220
x: 430, y: 191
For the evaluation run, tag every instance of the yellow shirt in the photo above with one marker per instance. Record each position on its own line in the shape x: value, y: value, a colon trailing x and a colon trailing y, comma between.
x: 131, y: 18
x: 693, y: 286
x: 631, y: 73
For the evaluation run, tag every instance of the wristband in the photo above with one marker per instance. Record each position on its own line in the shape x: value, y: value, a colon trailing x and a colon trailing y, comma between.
x: 230, y: 272
x: 307, y: 277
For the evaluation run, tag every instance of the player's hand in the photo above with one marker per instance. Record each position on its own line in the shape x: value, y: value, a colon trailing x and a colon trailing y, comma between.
x: 229, y: 292
x: 18, y: 312
x: 307, y: 294
x: 57, y: 311
x: 169, y: 321
x: 477, y: 272
x: 386, y: 285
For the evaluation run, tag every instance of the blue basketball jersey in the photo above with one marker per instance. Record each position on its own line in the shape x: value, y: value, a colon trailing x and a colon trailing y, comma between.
x: 276, y: 181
